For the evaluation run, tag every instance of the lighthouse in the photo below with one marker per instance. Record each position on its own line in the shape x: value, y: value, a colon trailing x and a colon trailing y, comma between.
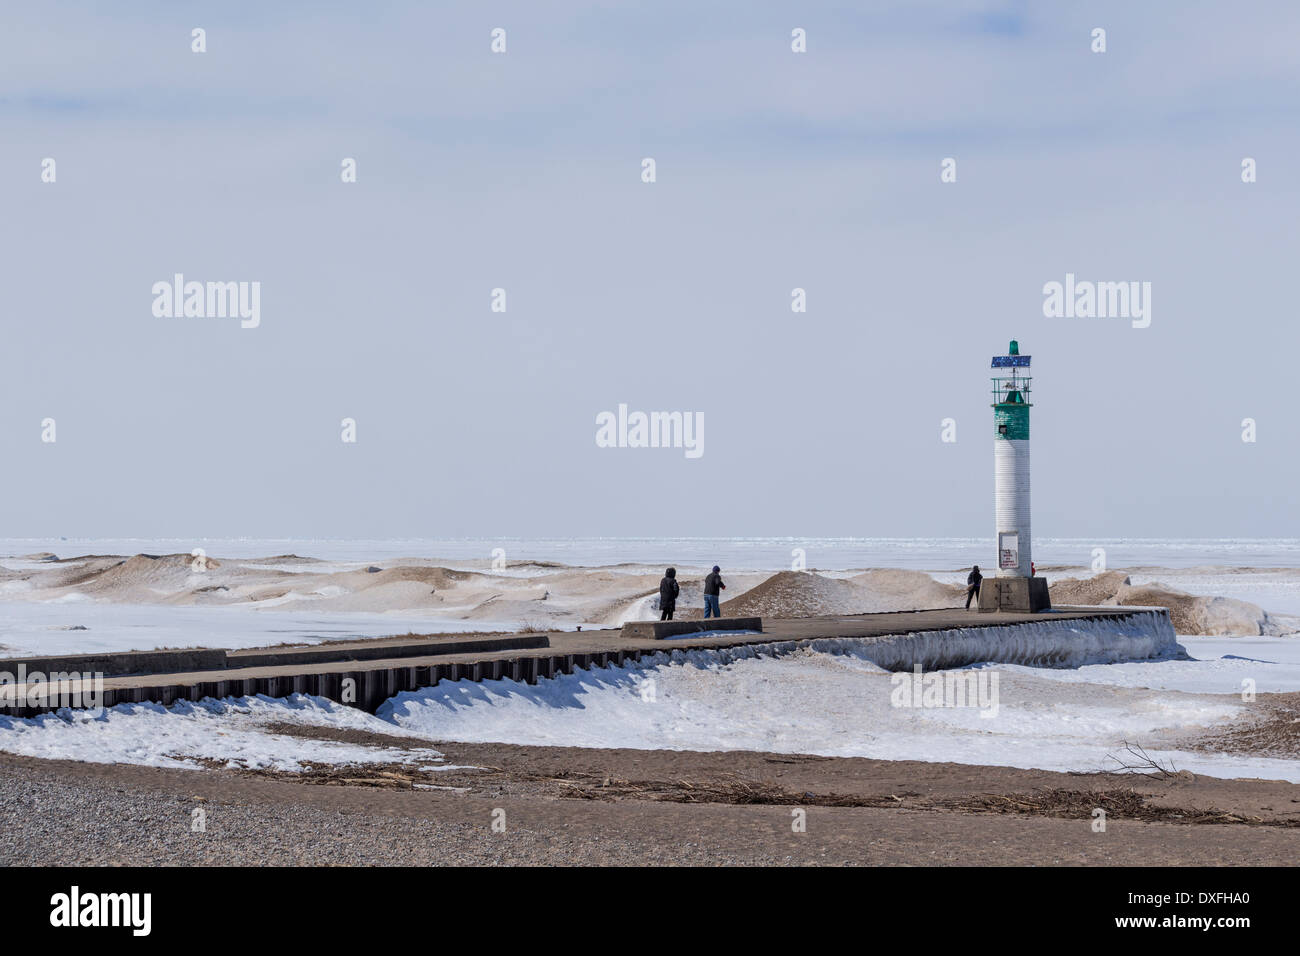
x: 1014, y: 587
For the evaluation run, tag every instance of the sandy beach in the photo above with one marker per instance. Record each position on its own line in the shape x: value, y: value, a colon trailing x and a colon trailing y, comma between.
x: 565, y: 806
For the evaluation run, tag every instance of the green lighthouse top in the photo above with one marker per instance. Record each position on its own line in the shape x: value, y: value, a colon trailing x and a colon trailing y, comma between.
x: 1012, y: 389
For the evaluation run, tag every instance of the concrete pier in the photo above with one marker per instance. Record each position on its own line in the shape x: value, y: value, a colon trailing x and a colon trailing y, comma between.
x: 668, y: 630
x: 366, y: 673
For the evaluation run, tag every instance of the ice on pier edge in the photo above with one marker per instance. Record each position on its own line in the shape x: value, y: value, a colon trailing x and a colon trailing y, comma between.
x: 833, y: 701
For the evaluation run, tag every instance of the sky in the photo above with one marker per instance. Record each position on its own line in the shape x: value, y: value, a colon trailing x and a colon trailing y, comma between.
x: 522, y: 171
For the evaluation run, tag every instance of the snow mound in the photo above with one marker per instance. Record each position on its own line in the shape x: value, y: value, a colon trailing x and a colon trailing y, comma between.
x: 1189, y: 613
x: 1100, y: 589
x: 1193, y: 614
x: 799, y: 594
x: 806, y: 594
x: 168, y: 572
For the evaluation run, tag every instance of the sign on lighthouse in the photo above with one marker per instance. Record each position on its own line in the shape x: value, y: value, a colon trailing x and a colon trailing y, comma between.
x: 1014, y: 588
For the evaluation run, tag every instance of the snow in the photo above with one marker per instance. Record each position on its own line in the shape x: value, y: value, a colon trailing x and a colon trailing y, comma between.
x: 232, y: 731
x: 28, y: 629
x: 1277, y: 592
x: 1219, y: 666
x: 829, y: 698
x: 734, y: 554
x: 1069, y: 693
x: 833, y: 701
x: 1059, y: 642
x: 695, y: 635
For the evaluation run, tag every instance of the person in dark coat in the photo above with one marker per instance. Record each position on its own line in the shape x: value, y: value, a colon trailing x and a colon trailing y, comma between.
x: 973, y: 585
x: 668, y: 590
x: 712, y: 585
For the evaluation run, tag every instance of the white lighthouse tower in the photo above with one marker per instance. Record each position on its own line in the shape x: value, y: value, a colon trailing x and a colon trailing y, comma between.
x: 1014, y: 587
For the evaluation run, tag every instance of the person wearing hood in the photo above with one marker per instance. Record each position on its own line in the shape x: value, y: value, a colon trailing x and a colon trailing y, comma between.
x: 712, y: 585
x: 668, y: 590
x: 973, y: 585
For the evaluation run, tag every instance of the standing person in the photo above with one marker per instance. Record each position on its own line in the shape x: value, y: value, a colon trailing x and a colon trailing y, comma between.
x: 973, y: 585
x: 713, y: 584
x: 668, y: 590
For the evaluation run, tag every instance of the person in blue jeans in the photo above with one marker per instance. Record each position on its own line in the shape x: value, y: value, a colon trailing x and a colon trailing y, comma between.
x: 712, y: 585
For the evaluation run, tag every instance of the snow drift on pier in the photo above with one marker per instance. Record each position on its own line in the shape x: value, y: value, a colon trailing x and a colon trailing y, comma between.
x: 830, y: 698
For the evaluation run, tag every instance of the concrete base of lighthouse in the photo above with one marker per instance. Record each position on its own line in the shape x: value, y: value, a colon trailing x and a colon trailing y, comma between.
x: 1027, y: 595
